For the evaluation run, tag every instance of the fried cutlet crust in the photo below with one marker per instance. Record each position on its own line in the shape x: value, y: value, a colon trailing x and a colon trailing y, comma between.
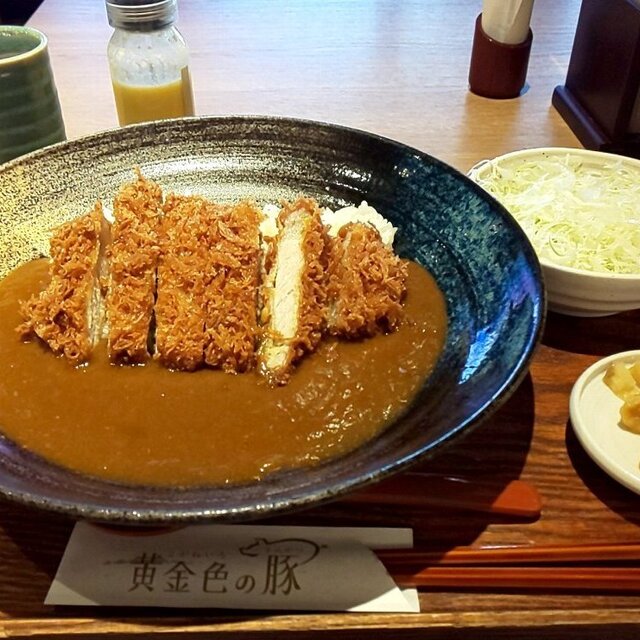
x: 60, y: 314
x: 311, y: 313
x: 231, y: 291
x: 182, y: 268
x: 208, y: 263
x: 133, y: 258
x: 367, y: 283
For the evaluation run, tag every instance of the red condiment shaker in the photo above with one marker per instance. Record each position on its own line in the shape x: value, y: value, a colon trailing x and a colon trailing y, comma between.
x: 498, y: 70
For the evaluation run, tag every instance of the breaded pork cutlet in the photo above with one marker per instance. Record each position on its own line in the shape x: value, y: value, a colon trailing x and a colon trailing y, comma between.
x: 294, y: 291
x: 133, y: 258
x: 367, y: 283
x: 231, y: 291
x: 66, y: 315
x: 182, y: 268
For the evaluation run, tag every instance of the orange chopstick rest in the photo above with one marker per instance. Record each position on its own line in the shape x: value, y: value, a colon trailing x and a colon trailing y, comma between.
x: 516, y: 498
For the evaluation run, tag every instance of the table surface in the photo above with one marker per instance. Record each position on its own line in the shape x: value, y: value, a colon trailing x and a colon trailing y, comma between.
x: 398, y: 69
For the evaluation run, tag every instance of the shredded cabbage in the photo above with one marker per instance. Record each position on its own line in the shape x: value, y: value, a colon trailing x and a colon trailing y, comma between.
x: 575, y: 214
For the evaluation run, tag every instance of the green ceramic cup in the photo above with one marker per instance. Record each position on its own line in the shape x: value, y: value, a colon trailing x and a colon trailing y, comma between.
x: 30, y: 115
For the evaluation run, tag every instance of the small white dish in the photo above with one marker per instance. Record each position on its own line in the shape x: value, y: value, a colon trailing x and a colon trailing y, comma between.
x: 595, y: 416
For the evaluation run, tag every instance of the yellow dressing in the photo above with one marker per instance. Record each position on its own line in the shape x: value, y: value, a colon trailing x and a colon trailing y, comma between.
x: 140, y: 103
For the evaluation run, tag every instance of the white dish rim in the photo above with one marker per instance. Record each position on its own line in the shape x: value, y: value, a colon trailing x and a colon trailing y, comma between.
x: 586, y: 438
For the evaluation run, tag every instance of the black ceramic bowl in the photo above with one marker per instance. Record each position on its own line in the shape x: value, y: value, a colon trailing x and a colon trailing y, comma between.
x: 480, y: 258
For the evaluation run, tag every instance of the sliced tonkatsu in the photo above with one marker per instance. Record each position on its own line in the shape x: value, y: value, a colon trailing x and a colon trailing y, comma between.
x: 294, y: 290
x: 182, y: 267
x: 367, y: 283
x: 67, y: 314
x: 232, y: 287
x: 198, y: 284
x: 133, y: 260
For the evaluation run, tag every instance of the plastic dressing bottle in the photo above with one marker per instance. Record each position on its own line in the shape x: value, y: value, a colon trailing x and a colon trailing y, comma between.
x: 148, y: 60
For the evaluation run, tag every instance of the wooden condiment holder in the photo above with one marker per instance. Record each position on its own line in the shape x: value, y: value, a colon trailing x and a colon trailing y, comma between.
x: 603, y: 79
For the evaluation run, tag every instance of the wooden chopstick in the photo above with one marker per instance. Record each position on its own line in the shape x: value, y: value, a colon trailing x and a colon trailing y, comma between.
x: 415, y: 568
x: 516, y: 498
x: 597, y: 552
x: 547, y: 578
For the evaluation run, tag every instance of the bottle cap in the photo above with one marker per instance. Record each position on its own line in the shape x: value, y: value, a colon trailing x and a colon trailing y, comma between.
x: 141, y: 15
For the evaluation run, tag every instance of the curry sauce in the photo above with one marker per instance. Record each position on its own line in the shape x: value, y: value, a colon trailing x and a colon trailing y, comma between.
x: 153, y: 426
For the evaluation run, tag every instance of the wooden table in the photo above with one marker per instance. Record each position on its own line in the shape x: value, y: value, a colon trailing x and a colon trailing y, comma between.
x: 398, y: 69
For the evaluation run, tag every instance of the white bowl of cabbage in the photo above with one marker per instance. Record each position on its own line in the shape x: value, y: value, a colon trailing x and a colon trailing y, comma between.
x: 581, y: 211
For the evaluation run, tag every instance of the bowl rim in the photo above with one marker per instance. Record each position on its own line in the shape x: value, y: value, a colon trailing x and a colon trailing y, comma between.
x: 603, y: 156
